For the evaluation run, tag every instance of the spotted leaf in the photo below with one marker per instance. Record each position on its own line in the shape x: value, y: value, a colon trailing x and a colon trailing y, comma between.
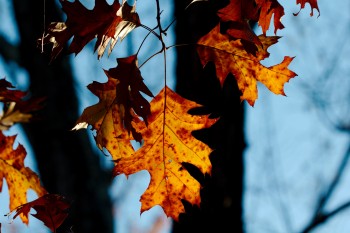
x: 168, y: 143
x: 18, y: 177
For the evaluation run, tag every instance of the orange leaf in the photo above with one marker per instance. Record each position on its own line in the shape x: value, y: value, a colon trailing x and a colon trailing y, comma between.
x: 168, y: 143
x: 51, y: 209
x: 18, y: 177
x: 230, y: 56
x: 105, y: 118
x: 106, y: 22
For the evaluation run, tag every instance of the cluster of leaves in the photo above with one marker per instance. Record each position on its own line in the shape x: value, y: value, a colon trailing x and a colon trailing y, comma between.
x: 51, y: 208
x: 163, y: 126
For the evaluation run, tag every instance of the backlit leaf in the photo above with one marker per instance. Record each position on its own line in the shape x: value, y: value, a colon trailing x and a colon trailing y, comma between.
x: 105, y: 118
x: 267, y: 9
x: 168, y: 143
x: 18, y: 177
x: 229, y: 56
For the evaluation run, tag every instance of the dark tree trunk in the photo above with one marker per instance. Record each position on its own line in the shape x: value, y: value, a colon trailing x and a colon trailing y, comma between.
x: 221, y: 207
x: 66, y: 161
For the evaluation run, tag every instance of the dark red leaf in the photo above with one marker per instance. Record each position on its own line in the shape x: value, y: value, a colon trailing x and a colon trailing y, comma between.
x: 51, y: 209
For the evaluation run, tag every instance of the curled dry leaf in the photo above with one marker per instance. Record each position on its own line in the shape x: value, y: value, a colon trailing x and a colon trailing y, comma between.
x: 18, y: 177
x: 106, y: 22
x: 168, y: 143
x: 229, y: 56
x: 51, y: 209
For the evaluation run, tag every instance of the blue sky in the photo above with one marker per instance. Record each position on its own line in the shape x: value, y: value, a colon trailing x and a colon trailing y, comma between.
x: 293, y: 149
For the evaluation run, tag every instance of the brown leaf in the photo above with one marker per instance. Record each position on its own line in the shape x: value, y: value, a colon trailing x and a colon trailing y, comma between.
x: 168, y: 143
x: 51, y: 209
x: 106, y: 22
x: 128, y: 97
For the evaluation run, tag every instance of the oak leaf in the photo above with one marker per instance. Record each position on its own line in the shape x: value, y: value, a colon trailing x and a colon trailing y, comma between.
x: 106, y: 22
x: 229, y: 56
x: 267, y: 9
x: 18, y: 177
x: 105, y: 118
x: 313, y: 5
x: 51, y: 209
x: 168, y: 143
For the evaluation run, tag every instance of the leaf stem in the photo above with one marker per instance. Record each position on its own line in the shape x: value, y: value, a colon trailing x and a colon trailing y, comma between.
x: 150, y: 30
x: 180, y: 45
x: 155, y: 54
x: 144, y: 39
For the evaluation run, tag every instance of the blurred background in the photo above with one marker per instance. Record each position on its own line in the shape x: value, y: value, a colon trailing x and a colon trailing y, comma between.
x: 290, y: 172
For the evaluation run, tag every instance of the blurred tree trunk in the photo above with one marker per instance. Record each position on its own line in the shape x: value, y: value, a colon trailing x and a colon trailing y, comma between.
x: 221, y: 207
x: 66, y: 161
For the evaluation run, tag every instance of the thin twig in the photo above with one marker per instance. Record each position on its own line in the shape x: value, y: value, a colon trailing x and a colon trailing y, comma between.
x: 144, y: 39
x: 319, y: 214
x: 321, y: 218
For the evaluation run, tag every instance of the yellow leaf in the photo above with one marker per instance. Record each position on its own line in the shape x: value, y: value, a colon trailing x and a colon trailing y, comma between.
x: 168, y: 143
x: 18, y: 177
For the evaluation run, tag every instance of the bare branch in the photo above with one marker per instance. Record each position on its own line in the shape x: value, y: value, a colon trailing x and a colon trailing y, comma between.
x: 323, y: 217
x: 319, y: 215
